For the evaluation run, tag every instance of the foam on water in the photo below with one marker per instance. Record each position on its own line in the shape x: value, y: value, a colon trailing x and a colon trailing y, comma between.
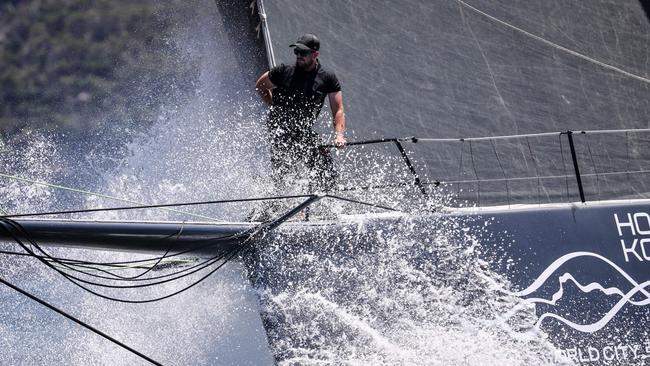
x: 406, y: 291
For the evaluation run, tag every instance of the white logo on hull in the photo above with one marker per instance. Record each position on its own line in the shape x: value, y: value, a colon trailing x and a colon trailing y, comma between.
x: 626, y: 297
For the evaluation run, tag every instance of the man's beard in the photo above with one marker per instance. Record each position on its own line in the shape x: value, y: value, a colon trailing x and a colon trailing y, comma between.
x: 305, y: 65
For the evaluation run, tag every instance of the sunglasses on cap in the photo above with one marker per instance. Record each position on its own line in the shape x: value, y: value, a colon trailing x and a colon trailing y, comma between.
x: 301, y: 53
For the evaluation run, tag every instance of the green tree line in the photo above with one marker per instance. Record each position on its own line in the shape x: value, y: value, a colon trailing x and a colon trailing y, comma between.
x: 74, y: 64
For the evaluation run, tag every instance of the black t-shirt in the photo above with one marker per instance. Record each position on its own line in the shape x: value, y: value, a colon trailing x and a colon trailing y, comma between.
x: 298, y: 98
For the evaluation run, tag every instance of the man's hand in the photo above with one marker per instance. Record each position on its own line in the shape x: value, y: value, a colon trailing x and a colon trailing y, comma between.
x: 263, y: 87
x: 340, y: 140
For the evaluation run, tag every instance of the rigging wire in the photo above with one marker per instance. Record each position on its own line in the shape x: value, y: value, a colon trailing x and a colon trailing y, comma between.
x: 15, y: 230
x: 124, y: 278
x: 211, y: 242
x: 47, y: 259
x: 119, y: 265
x: 78, y: 321
x: 169, y: 247
x: 76, y: 265
x: 165, y: 205
x: 19, y: 230
x: 89, y: 193
x: 228, y: 255
x: 70, y: 265
x: 85, y: 264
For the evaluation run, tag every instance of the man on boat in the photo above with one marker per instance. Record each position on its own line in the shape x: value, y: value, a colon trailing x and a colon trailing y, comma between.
x: 295, y: 94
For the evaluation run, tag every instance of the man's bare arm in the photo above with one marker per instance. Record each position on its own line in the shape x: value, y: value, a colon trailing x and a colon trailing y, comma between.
x: 336, y: 103
x: 263, y: 87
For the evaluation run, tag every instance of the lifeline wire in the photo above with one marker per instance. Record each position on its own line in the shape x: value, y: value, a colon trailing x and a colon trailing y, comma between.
x: 70, y: 264
x: 505, y: 179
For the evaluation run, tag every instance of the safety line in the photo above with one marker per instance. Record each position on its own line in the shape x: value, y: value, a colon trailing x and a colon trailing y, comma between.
x: 613, y: 131
x: 505, y: 137
x: 489, y: 138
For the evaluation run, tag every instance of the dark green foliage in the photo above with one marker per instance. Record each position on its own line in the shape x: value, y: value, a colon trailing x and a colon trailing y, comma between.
x: 74, y: 64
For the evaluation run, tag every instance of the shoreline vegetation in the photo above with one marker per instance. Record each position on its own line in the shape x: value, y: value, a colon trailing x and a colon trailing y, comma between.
x: 73, y: 66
